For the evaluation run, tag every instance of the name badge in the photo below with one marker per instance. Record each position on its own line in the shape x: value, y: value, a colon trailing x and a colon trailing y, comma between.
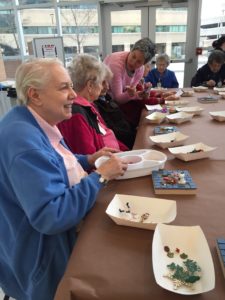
x: 102, y: 130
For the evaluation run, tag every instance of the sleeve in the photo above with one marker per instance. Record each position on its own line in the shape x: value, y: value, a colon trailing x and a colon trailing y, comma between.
x: 198, y: 79
x: 83, y: 160
x: 116, y: 86
x: 175, y: 83
x: 117, y: 82
x: 80, y: 138
x: 151, y: 78
x: 39, y: 182
x: 154, y: 100
x: 122, y: 146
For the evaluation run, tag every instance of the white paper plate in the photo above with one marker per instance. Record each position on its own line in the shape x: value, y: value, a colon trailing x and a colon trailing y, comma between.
x: 200, y: 88
x: 218, y: 90
x: 176, y: 102
x: 189, y: 240
x: 156, y: 117
x: 222, y: 94
x: 218, y: 115
x: 179, y: 117
x: 195, y: 110
x: 187, y: 93
x: 167, y: 140
x: 153, y: 107
x: 143, y: 162
x: 184, y: 152
x: 159, y: 89
x: 160, y: 211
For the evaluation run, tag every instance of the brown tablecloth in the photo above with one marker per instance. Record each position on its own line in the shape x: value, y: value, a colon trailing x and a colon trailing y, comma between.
x: 112, y: 262
x: 201, y: 128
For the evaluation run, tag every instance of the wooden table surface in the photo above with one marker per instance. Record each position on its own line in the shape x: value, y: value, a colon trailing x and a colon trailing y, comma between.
x: 111, y: 262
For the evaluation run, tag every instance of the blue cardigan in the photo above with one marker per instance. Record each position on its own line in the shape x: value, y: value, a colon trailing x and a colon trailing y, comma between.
x: 38, y: 210
x: 168, y: 79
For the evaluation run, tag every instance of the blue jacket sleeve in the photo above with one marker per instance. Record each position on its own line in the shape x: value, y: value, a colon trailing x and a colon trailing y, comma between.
x: 83, y: 160
x: 40, y: 184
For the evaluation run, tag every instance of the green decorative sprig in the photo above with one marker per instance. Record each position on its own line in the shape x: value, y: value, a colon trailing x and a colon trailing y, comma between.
x: 186, y: 274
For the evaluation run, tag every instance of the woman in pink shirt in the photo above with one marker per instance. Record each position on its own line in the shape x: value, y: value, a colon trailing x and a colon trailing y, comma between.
x: 128, y: 69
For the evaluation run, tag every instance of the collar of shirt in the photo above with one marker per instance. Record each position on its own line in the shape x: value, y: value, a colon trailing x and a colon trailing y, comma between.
x: 52, y: 132
x: 84, y: 102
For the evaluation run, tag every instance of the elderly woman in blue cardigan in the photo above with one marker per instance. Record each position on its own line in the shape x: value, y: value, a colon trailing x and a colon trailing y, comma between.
x: 45, y: 190
x: 160, y: 76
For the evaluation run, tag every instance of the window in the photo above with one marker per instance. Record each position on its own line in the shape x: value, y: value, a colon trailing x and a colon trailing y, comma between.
x: 171, y: 28
x: 126, y: 29
x: 91, y: 49
x: 8, y: 35
x: 117, y: 48
x: 178, y: 50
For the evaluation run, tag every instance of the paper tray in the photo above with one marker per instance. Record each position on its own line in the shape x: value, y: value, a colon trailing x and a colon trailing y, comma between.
x: 121, y: 208
x: 190, y: 240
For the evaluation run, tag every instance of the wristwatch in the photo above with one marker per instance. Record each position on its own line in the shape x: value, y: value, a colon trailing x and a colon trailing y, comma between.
x: 101, y: 179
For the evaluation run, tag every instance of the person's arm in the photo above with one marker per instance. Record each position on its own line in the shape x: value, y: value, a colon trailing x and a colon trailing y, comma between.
x: 198, y: 78
x: 175, y: 83
x: 43, y: 192
x: 151, y: 78
x: 118, y: 90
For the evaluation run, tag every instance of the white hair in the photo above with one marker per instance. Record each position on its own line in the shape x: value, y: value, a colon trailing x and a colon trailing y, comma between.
x: 33, y: 73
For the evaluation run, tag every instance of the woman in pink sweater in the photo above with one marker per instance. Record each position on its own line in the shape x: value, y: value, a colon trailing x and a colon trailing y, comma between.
x: 128, y: 69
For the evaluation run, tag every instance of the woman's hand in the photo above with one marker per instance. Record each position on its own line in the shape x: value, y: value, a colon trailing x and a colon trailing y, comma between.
x: 211, y: 83
x: 168, y: 93
x: 106, y: 151
x: 112, y: 168
x: 131, y: 90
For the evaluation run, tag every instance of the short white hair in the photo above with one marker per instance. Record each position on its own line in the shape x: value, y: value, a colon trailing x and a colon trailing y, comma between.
x: 34, y: 73
x: 163, y: 57
x: 83, y: 68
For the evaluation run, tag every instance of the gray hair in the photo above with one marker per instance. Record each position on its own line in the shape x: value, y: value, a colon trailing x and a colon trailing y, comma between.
x: 146, y: 46
x: 163, y: 57
x: 34, y: 73
x: 83, y: 68
x: 216, y: 56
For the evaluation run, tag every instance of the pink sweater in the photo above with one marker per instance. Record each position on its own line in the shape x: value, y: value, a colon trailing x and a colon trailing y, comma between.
x: 116, y: 62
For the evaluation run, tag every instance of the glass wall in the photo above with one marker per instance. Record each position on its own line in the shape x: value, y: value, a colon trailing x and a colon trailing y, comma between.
x: 125, y: 28
x: 212, y: 27
x: 77, y: 23
x: 8, y: 34
x: 80, y: 29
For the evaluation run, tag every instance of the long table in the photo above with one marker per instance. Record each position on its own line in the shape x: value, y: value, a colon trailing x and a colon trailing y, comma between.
x: 111, y: 262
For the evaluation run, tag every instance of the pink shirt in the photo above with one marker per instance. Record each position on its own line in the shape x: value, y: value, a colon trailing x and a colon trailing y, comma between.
x: 117, y: 62
x: 75, y: 171
x: 108, y: 135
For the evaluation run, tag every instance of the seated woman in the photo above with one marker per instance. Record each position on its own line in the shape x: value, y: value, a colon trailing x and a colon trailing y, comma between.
x: 45, y: 191
x: 219, y: 44
x: 128, y: 69
x: 152, y: 97
x: 161, y: 76
x: 113, y: 115
x: 213, y: 73
x: 86, y: 132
